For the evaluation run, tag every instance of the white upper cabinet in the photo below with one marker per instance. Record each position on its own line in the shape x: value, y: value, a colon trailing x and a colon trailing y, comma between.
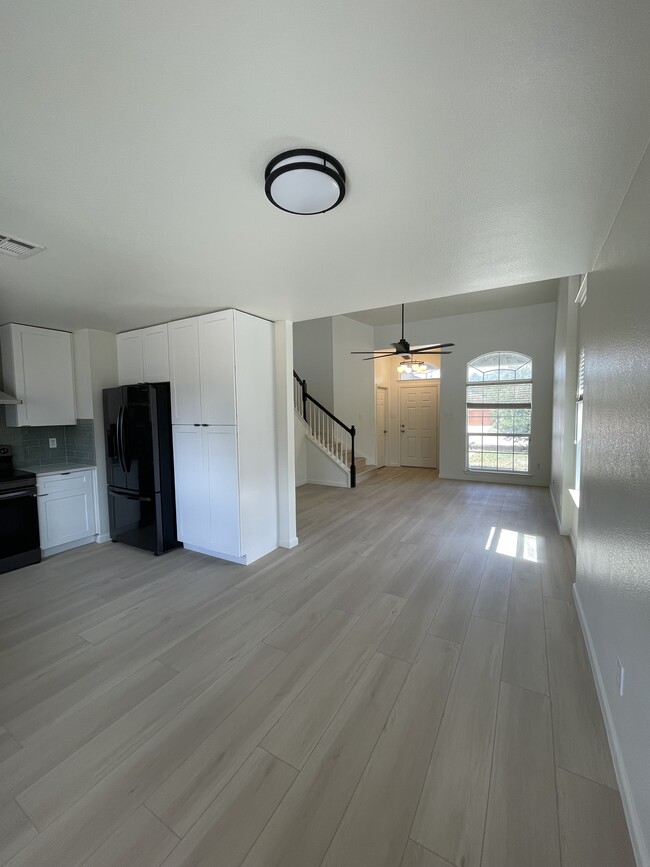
x: 130, y: 361
x: 38, y: 368
x: 143, y: 355
x: 202, y: 369
x: 184, y: 371
x: 217, y: 360
x: 155, y: 352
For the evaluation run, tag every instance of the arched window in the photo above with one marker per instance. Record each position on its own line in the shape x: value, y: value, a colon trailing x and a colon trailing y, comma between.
x: 499, y: 400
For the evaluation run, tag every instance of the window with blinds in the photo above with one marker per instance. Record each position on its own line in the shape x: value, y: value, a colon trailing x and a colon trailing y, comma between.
x: 580, y: 391
x: 499, y: 396
x: 581, y: 374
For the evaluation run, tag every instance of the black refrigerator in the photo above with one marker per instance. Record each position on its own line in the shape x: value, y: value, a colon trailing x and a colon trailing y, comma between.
x: 140, y: 466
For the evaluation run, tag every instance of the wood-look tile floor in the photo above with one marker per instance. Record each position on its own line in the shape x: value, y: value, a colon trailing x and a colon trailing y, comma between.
x: 409, y: 686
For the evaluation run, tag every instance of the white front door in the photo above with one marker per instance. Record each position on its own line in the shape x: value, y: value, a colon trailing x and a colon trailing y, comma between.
x: 418, y: 425
x: 381, y: 417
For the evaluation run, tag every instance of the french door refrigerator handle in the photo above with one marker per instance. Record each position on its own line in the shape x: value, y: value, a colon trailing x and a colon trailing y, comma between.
x: 120, y: 438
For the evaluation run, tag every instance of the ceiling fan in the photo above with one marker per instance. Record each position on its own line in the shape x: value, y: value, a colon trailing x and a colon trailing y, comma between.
x: 404, y: 349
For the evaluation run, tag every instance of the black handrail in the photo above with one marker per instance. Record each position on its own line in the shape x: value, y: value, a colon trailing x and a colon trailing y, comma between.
x: 351, y: 429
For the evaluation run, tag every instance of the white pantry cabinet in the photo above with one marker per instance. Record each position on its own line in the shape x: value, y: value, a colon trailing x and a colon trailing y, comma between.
x: 225, y: 446
x: 66, y: 509
x: 207, y: 487
x: 202, y: 369
x: 37, y: 368
x: 143, y: 355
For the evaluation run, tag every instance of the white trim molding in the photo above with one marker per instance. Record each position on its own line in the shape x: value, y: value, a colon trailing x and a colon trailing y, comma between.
x: 633, y: 822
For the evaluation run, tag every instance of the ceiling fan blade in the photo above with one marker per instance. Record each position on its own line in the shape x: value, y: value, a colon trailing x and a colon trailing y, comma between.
x: 431, y: 346
x: 383, y: 355
x: 365, y: 351
x: 434, y: 352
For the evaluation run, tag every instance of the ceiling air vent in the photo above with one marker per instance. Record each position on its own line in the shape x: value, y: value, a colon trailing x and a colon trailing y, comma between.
x: 18, y: 249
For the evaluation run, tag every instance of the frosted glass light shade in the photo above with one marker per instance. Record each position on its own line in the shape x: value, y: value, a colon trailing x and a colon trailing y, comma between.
x: 305, y: 182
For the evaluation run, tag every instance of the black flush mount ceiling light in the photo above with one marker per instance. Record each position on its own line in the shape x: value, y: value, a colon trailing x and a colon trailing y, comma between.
x: 304, y: 181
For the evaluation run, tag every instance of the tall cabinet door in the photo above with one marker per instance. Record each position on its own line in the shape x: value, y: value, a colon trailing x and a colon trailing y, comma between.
x: 217, y: 352
x: 222, y: 474
x: 184, y: 371
x: 192, y: 488
x: 155, y: 351
x: 130, y: 367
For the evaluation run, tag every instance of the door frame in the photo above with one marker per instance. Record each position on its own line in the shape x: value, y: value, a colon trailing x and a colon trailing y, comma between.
x: 423, y: 383
x: 386, y: 391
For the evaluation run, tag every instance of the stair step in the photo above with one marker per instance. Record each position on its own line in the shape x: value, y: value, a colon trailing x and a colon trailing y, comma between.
x: 366, y: 473
x: 342, y: 454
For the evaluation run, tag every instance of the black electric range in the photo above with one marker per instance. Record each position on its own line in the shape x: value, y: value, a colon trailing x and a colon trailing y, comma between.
x: 19, y: 537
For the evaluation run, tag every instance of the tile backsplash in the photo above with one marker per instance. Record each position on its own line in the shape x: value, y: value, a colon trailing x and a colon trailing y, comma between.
x: 74, y: 443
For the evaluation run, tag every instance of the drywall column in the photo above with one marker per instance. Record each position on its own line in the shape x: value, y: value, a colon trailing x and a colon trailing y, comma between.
x: 287, y: 534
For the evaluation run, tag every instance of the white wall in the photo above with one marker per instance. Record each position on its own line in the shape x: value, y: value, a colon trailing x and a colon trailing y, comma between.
x: 354, y: 390
x: 313, y: 358
x: 565, y: 365
x: 284, y: 421
x: 521, y: 329
x: 95, y: 354
x: 613, y: 571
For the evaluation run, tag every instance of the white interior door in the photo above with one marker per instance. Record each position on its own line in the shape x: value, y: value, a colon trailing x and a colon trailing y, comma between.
x: 419, y: 425
x: 381, y: 422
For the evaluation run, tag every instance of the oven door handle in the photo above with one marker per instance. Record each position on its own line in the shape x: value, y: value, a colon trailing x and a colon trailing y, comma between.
x: 15, y: 494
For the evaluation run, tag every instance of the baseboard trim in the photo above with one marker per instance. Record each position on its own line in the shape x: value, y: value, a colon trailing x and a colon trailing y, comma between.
x: 243, y: 561
x: 555, y: 511
x: 103, y: 537
x: 288, y: 543
x: 328, y: 483
x: 67, y: 546
x: 631, y: 815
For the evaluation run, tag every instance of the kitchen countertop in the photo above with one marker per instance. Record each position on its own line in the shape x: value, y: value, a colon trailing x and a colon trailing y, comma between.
x: 63, y: 467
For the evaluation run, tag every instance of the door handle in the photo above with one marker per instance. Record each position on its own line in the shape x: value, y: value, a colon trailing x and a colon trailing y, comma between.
x: 15, y: 495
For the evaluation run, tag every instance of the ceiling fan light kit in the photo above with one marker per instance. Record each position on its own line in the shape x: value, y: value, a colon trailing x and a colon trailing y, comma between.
x: 304, y: 181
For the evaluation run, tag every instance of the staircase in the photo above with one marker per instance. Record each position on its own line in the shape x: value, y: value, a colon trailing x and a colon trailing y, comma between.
x: 332, y: 436
x: 364, y: 470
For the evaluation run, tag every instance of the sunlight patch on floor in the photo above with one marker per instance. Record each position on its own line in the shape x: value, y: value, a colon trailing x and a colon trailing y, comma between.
x: 510, y: 543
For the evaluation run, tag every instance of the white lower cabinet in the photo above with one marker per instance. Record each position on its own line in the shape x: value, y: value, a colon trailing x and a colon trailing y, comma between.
x: 66, y: 509
x: 207, y: 488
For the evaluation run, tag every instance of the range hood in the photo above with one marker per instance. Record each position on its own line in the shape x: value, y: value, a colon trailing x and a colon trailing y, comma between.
x: 8, y: 400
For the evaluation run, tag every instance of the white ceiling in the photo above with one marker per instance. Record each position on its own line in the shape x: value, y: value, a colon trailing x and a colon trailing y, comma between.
x: 501, y: 298
x: 486, y: 143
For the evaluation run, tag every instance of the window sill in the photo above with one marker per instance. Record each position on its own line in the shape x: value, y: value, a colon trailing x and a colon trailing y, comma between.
x: 575, y: 496
x: 499, y: 473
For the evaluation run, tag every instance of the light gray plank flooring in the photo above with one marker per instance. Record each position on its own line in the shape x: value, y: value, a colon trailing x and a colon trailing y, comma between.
x: 390, y: 692
x: 522, y: 811
x: 524, y: 653
x: 592, y: 825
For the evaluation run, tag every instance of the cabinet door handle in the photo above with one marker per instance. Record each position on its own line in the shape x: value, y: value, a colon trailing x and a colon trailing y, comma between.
x: 196, y: 424
x: 42, y: 495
